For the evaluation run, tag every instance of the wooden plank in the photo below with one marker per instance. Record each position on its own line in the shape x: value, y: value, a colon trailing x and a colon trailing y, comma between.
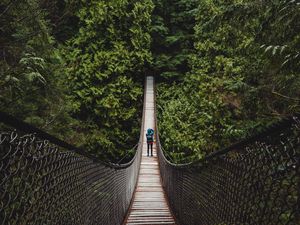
x: 149, y: 206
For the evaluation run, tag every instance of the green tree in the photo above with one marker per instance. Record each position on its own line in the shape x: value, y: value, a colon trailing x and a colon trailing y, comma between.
x: 106, y: 62
x: 172, y: 35
x: 243, y: 75
x: 31, y: 86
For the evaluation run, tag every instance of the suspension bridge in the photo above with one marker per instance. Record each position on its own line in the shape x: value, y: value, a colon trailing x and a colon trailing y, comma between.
x: 46, y: 181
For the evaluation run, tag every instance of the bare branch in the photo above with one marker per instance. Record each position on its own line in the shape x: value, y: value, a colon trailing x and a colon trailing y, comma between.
x: 284, y: 96
x: 7, y: 8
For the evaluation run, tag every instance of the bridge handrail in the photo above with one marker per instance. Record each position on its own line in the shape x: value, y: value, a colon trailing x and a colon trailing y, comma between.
x: 272, y: 129
x: 44, y: 180
x: 19, y: 125
x: 255, y: 181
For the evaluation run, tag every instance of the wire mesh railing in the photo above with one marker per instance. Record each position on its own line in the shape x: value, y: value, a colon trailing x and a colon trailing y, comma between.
x: 256, y: 181
x: 45, y: 181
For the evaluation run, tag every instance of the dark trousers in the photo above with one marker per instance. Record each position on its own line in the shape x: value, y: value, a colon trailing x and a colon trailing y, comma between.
x: 148, y: 146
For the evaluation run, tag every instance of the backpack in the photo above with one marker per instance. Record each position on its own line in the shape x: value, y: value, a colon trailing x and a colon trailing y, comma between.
x: 149, y: 135
x: 149, y: 138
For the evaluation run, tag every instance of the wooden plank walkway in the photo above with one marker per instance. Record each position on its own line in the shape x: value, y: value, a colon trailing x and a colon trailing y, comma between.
x: 149, y: 206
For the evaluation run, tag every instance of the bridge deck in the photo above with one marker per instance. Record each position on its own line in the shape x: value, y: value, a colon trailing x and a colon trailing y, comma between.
x: 149, y: 204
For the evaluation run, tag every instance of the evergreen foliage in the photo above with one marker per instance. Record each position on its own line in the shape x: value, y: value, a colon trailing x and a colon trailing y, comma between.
x: 105, y: 71
x: 31, y: 76
x: 75, y: 69
x: 243, y: 74
x: 172, y: 37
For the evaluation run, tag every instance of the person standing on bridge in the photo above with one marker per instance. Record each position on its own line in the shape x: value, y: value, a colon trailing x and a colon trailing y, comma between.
x: 149, y: 136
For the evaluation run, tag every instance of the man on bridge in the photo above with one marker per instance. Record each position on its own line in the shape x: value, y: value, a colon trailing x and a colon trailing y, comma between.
x: 149, y: 136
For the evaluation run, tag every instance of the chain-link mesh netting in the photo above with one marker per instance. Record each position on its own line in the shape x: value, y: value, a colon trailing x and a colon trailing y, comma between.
x: 45, y: 184
x: 254, y: 182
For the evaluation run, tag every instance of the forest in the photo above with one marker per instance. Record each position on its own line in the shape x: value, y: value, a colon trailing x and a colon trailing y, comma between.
x: 224, y: 70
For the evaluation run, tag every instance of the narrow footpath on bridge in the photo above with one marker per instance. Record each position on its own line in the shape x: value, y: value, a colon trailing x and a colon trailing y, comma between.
x: 149, y: 205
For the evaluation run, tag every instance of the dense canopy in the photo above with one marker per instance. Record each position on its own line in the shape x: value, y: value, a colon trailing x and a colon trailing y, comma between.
x: 225, y: 69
